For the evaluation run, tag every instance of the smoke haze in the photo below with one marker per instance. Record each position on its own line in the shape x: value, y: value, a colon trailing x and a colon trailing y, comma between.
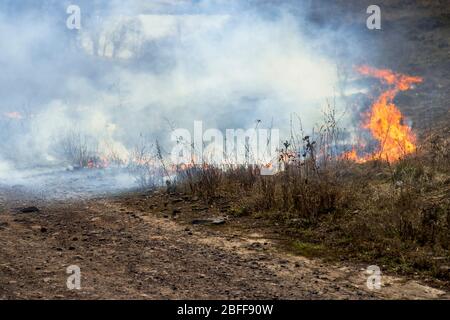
x: 135, y: 70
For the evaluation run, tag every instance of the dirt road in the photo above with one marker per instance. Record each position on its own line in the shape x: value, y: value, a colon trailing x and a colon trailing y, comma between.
x: 128, y: 248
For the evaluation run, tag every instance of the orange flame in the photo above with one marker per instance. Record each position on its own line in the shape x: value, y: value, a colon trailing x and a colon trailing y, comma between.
x: 385, y: 120
x: 13, y: 115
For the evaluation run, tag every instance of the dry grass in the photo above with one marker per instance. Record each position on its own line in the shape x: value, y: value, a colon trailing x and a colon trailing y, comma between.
x: 394, y: 215
x: 79, y: 149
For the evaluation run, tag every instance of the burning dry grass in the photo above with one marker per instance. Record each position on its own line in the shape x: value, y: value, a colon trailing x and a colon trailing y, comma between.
x: 396, y: 215
x: 385, y: 121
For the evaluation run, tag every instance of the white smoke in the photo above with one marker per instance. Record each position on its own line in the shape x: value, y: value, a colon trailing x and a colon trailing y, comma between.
x: 138, y: 66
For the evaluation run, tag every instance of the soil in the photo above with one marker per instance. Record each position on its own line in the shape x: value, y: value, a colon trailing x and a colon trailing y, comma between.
x: 144, y: 246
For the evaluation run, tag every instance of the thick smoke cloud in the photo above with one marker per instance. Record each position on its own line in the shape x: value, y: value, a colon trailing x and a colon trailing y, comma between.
x: 135, y: 68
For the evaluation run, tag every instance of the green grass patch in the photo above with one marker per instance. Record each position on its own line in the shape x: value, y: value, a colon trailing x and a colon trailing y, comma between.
x: 308, y: 250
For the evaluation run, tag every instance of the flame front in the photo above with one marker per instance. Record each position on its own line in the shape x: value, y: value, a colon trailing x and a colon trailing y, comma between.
x: 385, y: 120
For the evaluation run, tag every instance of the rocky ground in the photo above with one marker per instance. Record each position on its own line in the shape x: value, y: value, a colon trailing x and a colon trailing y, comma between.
x: 157, y: 246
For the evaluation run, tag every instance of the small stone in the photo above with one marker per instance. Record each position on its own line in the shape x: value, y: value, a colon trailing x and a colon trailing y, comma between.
x: 215, y: 221
x: 218, y: 221
x: 29, y: 210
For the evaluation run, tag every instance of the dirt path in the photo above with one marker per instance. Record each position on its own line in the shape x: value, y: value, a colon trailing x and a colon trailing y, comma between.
x: 126, y: 249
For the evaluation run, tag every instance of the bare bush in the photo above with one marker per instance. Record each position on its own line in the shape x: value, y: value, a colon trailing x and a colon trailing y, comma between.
x: 146, y: 165
x: 78, y: 149
x: 202, y: 180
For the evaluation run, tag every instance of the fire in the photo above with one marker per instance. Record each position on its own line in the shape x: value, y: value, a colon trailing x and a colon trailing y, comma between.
x: 385, y: 121
x: 98, y: 163
x: 13, y: 115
